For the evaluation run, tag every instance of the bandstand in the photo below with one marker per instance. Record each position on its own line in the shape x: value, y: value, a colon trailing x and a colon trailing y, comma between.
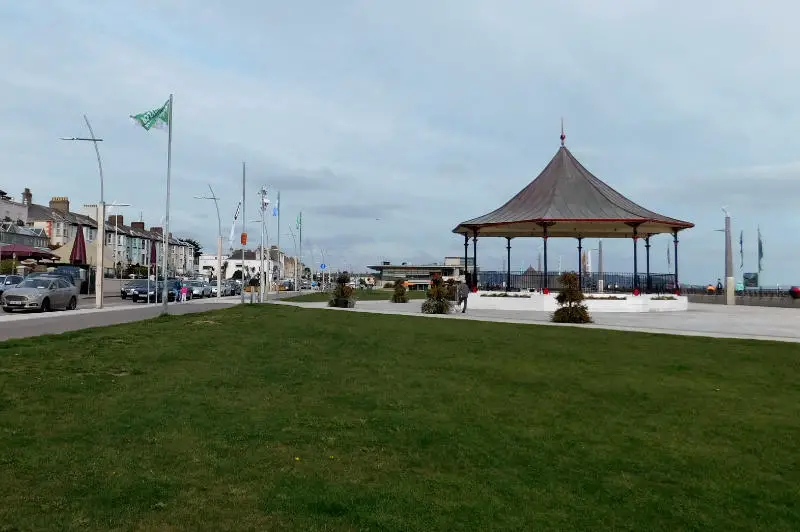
x: 567, y: 201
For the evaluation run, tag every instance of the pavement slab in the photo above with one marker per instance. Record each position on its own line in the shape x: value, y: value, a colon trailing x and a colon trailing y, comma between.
x: 716, y: 321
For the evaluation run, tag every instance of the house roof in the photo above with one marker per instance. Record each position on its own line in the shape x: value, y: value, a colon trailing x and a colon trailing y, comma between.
x: 569, y: 201
x: 43, y: 213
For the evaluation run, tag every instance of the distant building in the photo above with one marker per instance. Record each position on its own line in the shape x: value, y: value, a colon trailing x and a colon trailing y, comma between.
x: 13, y: 233
x: 420, y: 275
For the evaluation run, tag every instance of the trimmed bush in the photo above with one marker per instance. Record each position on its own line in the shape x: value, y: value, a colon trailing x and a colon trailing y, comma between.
x: 343, y: 295
x: 400, y: 294
x: 438, y: 301
x: 570, y: 299
x: 389, y: 285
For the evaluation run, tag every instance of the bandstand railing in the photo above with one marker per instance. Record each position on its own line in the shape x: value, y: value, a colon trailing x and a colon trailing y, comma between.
x: 612, y: 281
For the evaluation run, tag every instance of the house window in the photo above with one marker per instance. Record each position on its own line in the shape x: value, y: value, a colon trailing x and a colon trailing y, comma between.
x: 58, y: 228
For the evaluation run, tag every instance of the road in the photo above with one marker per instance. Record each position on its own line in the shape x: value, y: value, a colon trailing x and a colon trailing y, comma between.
x: 115, y: 311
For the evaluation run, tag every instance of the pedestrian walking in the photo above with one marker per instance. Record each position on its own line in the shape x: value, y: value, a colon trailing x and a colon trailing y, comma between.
x: 184, y: 293
x: 463, y: 294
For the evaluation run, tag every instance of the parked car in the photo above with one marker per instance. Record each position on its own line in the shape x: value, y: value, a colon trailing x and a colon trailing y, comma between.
x: 7, y: 281
x: 42, y: 293
x: 79, y: 276
x: 66, y: 276
x: 130, y: 287
x: 200, y: 288
x: 156, y: 293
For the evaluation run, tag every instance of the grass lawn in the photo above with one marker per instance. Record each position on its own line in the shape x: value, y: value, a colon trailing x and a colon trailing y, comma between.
x: 278, y: 418
x: 363, y: 295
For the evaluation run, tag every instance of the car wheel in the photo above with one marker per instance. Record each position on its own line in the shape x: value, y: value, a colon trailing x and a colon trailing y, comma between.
x: 8, y: 309
x: 135, y: 298
x: 73, y: 303
x: 45, y: 306
x: 124, y: 295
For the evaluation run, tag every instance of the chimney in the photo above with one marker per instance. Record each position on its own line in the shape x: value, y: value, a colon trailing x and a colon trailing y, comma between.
x: 158, y: 230
x: 27, y: 197
x: 60, y: 204
x: 116, y: 220
x: 137, y: 225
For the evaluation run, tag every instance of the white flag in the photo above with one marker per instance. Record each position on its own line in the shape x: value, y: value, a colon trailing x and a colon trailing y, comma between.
x: 233, y: 225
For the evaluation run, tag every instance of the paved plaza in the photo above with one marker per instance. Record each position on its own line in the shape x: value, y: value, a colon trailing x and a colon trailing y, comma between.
x: 719, y: 321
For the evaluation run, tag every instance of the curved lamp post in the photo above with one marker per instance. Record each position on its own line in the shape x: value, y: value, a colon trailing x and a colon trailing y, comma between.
x: 101, y: 215
x: 219, y: 238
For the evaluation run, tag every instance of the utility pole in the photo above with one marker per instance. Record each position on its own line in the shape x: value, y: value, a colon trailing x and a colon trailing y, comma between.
x: 244, y: 225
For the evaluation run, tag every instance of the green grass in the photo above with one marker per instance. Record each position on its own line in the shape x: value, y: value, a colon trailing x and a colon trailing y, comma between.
x: 278, y: 418
x: 363, y: 295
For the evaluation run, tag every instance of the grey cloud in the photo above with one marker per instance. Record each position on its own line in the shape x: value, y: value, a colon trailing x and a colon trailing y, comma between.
x: 372, y: 211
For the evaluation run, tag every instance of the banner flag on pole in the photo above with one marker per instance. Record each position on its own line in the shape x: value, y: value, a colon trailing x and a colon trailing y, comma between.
x: 741, y: 250
x: 233, y: 225
x: 760, y: 250
x: 156, y: 118
x: 277, y: 208
x: 300, y: 220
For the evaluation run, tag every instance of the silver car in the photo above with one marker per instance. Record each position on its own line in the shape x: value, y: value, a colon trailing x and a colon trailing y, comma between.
x: 199, y: 288
x: 41, y: 293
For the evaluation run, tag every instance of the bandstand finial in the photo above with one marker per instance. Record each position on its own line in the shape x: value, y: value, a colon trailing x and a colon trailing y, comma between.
x: 563, y: 136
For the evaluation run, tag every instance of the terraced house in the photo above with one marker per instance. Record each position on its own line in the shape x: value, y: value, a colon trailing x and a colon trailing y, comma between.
x: 125, y: 245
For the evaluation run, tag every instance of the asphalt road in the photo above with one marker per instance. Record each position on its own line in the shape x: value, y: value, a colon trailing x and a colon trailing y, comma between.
x: 116, y: 311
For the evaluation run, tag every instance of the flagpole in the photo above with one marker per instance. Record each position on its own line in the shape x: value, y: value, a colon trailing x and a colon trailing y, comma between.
x: 300, y: 230
x: 280, y: 266
x: 244, y: 226
x: 165, y: 236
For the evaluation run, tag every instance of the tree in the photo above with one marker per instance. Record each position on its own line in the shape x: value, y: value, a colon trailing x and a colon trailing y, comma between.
x: 198, y: 249
x: 570, y: 300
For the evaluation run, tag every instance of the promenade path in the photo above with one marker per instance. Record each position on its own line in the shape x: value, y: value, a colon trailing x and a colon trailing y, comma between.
x: 717, y: 321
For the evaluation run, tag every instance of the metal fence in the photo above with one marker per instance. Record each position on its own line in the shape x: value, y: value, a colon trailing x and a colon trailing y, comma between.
x: 747, y: 292
x: 590, y: 282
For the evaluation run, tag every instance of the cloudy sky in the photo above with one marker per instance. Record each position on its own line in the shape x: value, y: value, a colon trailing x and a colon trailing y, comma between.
x: 387, y: 123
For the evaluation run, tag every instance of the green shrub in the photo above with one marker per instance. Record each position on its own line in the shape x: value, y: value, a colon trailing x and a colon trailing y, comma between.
x: 7, y: 266
x: 438, y: 301
x: 570, y: 299
x: 400, y: 294
x: 343, y: 295
x: 389, y: 285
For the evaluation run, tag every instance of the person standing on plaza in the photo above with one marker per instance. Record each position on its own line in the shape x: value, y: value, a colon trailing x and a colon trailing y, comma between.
x: 463, y: 294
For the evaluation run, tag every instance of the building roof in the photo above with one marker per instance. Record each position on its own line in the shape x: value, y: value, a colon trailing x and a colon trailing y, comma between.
x: 43, y: 213
x: 432, y: 267
x: 569, y: 201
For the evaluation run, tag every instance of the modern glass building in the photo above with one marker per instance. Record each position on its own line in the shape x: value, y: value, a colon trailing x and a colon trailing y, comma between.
x: 420, y: 275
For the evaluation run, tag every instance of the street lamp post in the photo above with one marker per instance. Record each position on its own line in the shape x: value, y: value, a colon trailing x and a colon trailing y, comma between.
x: 294, y: 239
x: 219, y: 238
x: 263, y: 279
x: 101, y: 214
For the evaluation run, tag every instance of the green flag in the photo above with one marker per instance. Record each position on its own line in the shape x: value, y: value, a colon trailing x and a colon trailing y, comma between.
x: 158, y: 118
x: 300, y: 220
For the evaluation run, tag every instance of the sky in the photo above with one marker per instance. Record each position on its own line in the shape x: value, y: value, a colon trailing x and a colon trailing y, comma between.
x: 388, y: 123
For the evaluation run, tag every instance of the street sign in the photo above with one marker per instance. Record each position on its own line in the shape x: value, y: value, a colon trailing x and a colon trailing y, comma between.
x: 322, y: 266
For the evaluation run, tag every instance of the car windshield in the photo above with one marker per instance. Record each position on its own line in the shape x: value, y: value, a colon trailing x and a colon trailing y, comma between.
x: 195, y: 283
x: 38, y: 282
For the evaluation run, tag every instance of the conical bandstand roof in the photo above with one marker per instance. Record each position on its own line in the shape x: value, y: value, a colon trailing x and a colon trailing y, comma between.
x: 570, y: 201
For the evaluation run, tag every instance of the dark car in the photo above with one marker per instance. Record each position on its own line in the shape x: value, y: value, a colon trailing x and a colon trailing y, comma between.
x: 156, y: 293
x: 7, y: 281
x: 129, y: 288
